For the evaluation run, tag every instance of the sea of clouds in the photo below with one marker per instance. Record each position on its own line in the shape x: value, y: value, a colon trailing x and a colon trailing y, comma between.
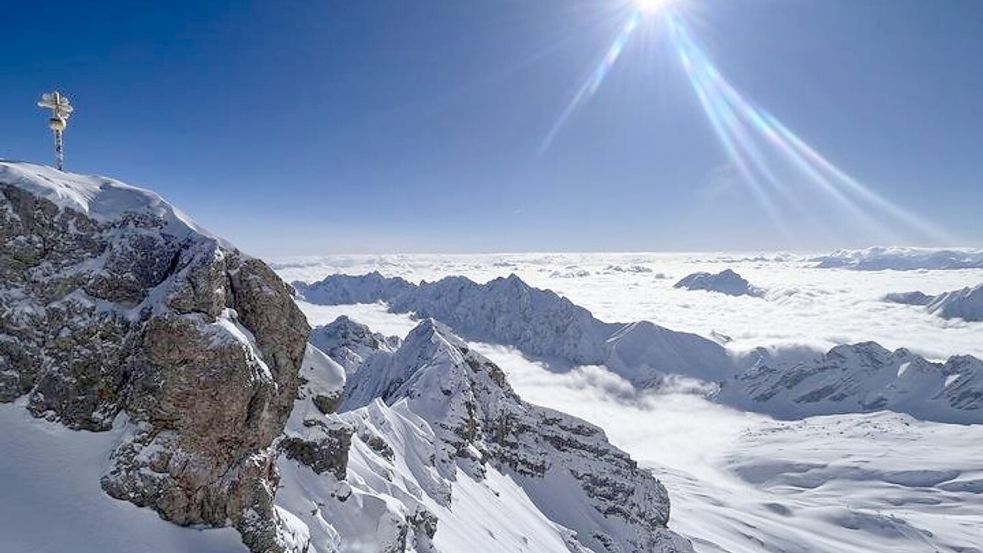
x: 803, y: 304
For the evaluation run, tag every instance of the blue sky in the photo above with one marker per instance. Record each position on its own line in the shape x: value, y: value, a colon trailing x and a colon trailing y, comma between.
x: 343, y: 126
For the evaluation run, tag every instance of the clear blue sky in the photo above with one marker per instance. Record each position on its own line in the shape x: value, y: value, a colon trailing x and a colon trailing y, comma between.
x: 353, y: 126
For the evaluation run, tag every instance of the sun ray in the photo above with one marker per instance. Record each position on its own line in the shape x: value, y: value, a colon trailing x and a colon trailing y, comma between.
x: 596, y: 78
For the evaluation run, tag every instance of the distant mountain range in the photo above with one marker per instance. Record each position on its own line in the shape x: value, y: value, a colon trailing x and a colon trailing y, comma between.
x: 965, y: 303
x: 539, y: 323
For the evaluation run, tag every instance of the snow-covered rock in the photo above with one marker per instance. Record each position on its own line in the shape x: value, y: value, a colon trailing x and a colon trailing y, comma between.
x: 900, y: 259
x: 114, y: 305
x: 861, y: 378
x: 965, y: 303
x: 725, y: 282
x: 537, y: 322
x: 446, y: 457
x: 349, y: 342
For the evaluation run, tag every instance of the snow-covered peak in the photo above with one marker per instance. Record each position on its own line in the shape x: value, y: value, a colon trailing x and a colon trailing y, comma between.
x: 483, y: 430
x: 101, y: 199
x: 901, y: 259
x: 349, y: 342
x: 965, y: 303
x: 725, y: 282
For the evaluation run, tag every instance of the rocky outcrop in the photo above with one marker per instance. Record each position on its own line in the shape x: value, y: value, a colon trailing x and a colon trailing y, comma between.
x: 725, y: 282
x: 537, y: 322
x: 115, y: 307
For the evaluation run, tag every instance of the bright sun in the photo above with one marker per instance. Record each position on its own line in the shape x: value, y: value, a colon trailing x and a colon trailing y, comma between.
x: 649, y: 7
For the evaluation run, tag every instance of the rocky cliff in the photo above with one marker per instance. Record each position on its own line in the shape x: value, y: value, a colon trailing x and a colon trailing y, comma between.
x: 116, y: 308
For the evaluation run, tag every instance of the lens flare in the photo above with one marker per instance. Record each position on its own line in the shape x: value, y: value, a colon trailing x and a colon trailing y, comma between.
x: 596, y: 78
x: 774, y: 162
x: 741, y: 127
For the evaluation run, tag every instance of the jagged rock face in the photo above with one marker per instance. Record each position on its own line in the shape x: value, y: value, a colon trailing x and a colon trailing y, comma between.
x: 725, y: 282
x: 479, y: 421
x: 860, y: 378
x: 114, y: 304
x: 537, y: 322
x: 350, y: 343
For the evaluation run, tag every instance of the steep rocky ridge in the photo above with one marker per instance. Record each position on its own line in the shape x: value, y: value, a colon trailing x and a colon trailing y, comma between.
x: 564, y: 465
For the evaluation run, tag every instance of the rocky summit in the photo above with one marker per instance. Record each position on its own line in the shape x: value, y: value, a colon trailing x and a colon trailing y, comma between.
x: 116, y: 309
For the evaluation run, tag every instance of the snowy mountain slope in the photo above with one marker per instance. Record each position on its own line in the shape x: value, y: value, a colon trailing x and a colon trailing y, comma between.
x: 861, y: 378
x: 538, y: 322
x: 725, y: 282
x: 478, y: 435
x: 900, y: 259
x: 114, y: 306
x: 965, y: 304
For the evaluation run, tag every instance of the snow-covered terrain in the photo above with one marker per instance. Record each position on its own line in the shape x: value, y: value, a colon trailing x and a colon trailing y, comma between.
x: 965, y: 303
x: 861, y: 378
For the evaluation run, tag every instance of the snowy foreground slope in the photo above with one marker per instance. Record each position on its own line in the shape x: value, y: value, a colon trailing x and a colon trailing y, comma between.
x: 146, y: 363
x: 850, y: 378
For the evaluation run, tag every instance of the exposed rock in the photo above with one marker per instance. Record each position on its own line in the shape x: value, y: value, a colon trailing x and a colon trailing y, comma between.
x: 725, y: 282
x: 113, y: 303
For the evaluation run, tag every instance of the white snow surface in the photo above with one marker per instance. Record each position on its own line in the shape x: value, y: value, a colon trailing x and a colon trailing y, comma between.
x: 100, y: 198
x: 51, y: 501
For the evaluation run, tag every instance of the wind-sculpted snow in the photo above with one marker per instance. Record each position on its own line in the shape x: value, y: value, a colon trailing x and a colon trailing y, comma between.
x: 537, y: 322
x: 114, y: 305
x: 862, y: 378
x: 965, y: 304
x: 725, y: 282
x: 440, y: 442
x: 901, y: 259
